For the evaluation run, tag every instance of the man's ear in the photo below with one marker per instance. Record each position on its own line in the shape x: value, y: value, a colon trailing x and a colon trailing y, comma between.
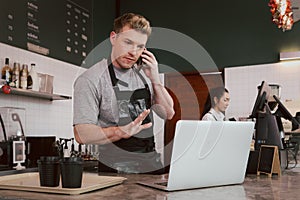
x: 112, y: 37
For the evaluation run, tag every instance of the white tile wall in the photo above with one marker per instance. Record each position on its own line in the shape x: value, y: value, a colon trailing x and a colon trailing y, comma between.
x: 242, y: 83
x: 43, y: 117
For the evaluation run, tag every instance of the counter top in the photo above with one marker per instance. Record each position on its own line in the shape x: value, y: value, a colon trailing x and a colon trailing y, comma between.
x: 13, y: 171
x: 285, y: 186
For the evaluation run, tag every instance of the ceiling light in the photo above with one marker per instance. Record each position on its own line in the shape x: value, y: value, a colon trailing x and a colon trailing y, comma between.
x: 289, y: 55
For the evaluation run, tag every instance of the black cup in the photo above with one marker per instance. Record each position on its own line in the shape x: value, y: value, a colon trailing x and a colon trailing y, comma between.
x: 71, y: 172
x: 49, y: 171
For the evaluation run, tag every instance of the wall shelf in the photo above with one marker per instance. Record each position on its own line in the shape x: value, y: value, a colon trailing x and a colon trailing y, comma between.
x: 36, y: 94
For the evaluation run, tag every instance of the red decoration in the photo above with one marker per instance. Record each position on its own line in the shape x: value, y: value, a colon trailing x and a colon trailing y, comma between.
x: 6, y: 89
x: 282, y: 13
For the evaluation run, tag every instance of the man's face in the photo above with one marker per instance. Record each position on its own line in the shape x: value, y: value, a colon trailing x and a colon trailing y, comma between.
x: 127, y: 46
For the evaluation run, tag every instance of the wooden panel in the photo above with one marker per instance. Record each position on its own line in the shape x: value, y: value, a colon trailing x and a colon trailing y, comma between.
x: 189, y: 92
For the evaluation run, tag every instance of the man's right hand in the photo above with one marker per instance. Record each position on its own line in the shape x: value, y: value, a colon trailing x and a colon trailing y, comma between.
x: 93, y: 134
x: 134, y: 127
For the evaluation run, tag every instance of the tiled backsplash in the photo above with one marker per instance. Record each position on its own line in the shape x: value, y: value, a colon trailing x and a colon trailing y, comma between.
x: 242, y: 84
x: 43, y: 117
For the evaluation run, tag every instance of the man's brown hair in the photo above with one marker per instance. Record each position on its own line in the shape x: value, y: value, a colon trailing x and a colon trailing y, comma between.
x: 134, y: 21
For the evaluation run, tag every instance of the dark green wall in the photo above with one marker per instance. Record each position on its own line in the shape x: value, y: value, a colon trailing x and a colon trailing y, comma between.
x: 104, y: 15
x: 233, y: 32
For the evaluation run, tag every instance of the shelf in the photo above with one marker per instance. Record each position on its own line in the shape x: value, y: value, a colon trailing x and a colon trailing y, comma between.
x: 35, y: 94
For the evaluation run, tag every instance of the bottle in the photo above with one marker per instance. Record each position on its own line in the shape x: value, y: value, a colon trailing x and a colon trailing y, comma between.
x: 24, y: 74
x: 6, y: 71
x: 66, y: 149
x: 33, y: 79
x: 16, y: 76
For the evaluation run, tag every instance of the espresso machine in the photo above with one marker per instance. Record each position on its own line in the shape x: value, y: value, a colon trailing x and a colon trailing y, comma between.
x: 5, y: 149
x: 12, y: 138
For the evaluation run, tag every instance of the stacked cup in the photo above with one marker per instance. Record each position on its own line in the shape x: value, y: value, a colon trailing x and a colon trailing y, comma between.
x: 71, y: 172
x: 70, y: 168
x: 49, y: 171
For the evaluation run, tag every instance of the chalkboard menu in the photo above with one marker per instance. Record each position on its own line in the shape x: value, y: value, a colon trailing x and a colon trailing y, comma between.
x: 266, y: 159
x: 61, y: 29
x: 268, y: 162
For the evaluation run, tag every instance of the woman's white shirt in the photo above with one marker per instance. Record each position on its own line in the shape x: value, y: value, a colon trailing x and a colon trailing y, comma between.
x: 213, y: 115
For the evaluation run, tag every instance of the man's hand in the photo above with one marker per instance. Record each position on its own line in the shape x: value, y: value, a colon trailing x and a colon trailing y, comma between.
x: 163, y: 102
x: 150, y: 66
x: 93, y: 134
x: 134, y: 127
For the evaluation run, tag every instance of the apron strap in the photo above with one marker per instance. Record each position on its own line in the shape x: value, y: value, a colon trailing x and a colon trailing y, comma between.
x: 115, y: 80
x: 213, y: 116
x: 113, y: 77
x: 142, y: 78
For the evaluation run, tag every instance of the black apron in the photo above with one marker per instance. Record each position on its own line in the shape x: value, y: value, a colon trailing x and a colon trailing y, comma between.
x: 136, y: 154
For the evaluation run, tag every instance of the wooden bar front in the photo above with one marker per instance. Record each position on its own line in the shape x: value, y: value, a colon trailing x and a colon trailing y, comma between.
x: 189, y: 92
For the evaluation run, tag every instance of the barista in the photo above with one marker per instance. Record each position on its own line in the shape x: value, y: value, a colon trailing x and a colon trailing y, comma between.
x: 115, y: 98
x: 216, y: 103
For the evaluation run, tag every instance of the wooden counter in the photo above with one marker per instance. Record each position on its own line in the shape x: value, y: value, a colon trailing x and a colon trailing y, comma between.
x: 262, y: 187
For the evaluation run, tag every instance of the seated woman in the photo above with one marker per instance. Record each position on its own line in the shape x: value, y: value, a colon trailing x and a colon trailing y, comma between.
x: 216, y: 103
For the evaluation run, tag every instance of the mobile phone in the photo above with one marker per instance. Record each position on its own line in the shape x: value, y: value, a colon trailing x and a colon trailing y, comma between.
x: 139, y: 62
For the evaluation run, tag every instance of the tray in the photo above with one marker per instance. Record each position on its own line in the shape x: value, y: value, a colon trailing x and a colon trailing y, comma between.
x: 30, y: 182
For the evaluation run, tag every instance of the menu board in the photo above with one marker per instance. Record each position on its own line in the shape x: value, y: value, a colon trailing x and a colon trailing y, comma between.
x: 61, y: 29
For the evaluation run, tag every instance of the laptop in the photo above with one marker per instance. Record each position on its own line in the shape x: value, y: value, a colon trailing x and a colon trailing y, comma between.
x: 207, y: 154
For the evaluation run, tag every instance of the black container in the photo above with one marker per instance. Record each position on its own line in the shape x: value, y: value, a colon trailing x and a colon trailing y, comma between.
x: 71, y: 172
x: 49, y: 171
x: 39, y: 146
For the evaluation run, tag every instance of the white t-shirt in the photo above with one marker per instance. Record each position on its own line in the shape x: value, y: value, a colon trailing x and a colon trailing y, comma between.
x: 213, y: 115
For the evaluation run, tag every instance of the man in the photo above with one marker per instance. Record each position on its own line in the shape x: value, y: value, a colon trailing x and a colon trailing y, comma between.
x: 114, y: 99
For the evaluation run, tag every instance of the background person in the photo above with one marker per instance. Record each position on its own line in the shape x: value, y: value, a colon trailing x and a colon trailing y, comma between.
x: 216, y: 103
